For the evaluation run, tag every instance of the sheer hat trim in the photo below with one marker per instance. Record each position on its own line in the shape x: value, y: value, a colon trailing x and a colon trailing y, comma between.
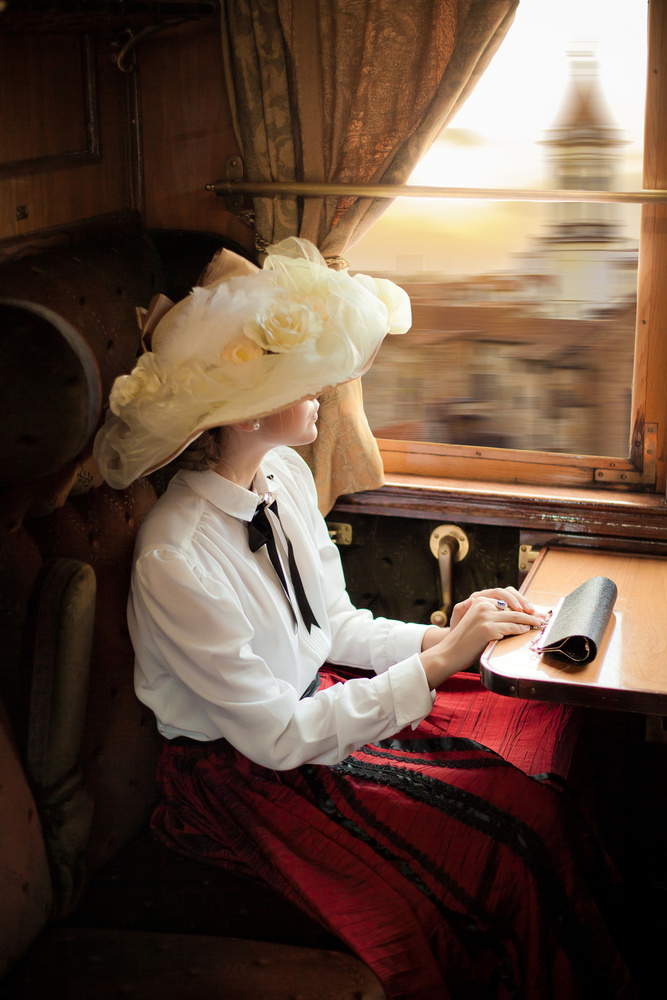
x: 250, y: 343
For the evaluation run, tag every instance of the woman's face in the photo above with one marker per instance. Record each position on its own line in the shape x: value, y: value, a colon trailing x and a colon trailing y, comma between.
x: 294, y: 426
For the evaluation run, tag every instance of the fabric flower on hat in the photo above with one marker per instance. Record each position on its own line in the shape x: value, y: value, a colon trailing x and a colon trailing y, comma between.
x: 285, y: 324
x: 241, y: 351
x: 399, y: 313
x: 144, y: 380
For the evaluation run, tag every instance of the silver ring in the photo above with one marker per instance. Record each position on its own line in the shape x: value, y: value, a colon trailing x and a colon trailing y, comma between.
x: 501, y: 605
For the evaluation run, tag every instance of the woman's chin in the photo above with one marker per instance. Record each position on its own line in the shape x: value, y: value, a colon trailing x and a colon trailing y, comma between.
x: 307, y: 438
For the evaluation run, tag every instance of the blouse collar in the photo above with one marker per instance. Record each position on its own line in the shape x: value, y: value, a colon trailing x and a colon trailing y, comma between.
x: 227, y: 496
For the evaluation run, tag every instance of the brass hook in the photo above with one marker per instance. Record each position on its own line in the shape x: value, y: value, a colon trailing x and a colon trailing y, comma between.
x: 449, y: 544
x: 133, y: 40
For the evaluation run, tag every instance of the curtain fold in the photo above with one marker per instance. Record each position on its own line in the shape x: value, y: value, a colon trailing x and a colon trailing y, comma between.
x: 342, y: 91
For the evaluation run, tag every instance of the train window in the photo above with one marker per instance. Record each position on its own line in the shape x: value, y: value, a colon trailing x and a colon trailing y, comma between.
x: 527, y: 361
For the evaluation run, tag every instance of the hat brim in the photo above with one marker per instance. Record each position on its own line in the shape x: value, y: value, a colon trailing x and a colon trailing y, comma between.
x: 242, y: 348
x: 256, y: 416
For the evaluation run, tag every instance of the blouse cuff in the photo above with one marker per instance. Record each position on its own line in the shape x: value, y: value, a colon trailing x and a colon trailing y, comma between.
x: 412, y: 696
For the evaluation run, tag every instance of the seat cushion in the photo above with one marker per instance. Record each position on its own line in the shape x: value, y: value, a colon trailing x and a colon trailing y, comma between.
x: 25, y: 884
x: 80, y: 964
x: 150, y: 887
x: 120, y: 741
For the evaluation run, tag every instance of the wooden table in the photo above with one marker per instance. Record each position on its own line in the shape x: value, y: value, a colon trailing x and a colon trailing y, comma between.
x: 629, y: 672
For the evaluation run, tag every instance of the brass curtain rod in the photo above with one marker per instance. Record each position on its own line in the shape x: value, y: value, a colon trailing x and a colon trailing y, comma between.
x: 307, y: 189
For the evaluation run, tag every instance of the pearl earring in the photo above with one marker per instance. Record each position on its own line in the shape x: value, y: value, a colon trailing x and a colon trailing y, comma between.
x: 255, y: 426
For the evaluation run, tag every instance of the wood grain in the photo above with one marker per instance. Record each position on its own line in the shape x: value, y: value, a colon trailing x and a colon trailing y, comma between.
x: 69, y: 185
x: 599, y: 514
x: 187, y: 129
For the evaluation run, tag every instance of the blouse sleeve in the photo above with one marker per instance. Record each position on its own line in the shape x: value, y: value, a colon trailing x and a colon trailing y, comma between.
x: 194, y: 629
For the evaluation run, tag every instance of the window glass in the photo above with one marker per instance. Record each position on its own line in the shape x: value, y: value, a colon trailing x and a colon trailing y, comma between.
x: 523, y: 312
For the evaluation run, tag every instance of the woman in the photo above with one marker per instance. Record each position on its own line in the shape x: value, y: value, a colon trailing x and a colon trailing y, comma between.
x: 365, y: 799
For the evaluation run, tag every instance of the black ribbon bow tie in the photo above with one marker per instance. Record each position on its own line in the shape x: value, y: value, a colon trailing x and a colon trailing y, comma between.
x: 260, y: 533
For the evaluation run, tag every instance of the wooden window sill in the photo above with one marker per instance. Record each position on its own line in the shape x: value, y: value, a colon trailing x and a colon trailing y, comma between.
x: 561, y: 510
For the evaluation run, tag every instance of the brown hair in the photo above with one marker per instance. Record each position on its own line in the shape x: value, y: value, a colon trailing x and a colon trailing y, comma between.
x: 204, y: 452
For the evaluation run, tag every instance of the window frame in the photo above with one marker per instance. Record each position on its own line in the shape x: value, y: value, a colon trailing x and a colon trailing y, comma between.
x: 644, y: 468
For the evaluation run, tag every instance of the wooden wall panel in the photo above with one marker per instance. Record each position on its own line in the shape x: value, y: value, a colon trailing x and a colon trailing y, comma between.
x: 187, y: 130
x: 66, y: 181
x: 36, y: 122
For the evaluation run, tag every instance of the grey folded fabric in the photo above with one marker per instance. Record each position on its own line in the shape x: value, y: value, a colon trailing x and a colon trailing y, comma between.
x: 578, y: 627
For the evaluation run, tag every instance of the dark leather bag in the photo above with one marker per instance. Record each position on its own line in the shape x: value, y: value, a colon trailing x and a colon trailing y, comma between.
x: 579, y: 624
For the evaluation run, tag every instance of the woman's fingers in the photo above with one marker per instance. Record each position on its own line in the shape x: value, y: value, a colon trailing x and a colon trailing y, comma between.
x: 511, y: 601
x: 519, y: 600
x: 522, y: 618
x: 498, y: 611
x: 515, y: 600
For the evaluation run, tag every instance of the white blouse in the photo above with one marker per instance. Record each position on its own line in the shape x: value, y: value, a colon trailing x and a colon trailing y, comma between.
x: 217, y: 650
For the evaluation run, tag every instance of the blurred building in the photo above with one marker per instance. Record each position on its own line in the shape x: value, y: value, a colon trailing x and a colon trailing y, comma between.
x: 539, y: 357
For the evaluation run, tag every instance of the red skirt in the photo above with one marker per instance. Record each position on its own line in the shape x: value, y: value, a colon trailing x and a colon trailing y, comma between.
x: 447, y: 869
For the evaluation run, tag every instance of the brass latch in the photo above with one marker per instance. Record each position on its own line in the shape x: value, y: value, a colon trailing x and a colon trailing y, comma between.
x: 527, y: 556
x: 339, y: 533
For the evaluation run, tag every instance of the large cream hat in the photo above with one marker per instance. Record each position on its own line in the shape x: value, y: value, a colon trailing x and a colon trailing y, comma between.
x: 250, y: 343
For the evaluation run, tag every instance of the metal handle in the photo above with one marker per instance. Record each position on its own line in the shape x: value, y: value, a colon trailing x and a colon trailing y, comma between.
x: 449, y: 544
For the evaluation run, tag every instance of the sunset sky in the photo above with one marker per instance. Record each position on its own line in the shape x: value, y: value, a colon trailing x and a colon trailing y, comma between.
x: 494, y: 141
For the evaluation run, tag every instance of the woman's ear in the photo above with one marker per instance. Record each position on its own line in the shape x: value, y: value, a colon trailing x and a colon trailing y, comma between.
x: 248, y: 425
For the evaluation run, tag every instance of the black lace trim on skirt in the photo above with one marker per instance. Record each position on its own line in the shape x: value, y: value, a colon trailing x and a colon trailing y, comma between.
x: 475, y: 812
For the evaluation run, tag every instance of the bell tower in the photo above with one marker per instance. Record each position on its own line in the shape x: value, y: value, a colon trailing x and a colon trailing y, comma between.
x: 583, y: 150
x: 581, y: 252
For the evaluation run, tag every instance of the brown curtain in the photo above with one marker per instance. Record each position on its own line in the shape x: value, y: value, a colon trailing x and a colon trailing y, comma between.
x: 347, y: 91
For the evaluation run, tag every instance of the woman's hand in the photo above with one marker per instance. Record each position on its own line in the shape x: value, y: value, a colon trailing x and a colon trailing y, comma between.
x: 515, y: 602
x: 480, y: 621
